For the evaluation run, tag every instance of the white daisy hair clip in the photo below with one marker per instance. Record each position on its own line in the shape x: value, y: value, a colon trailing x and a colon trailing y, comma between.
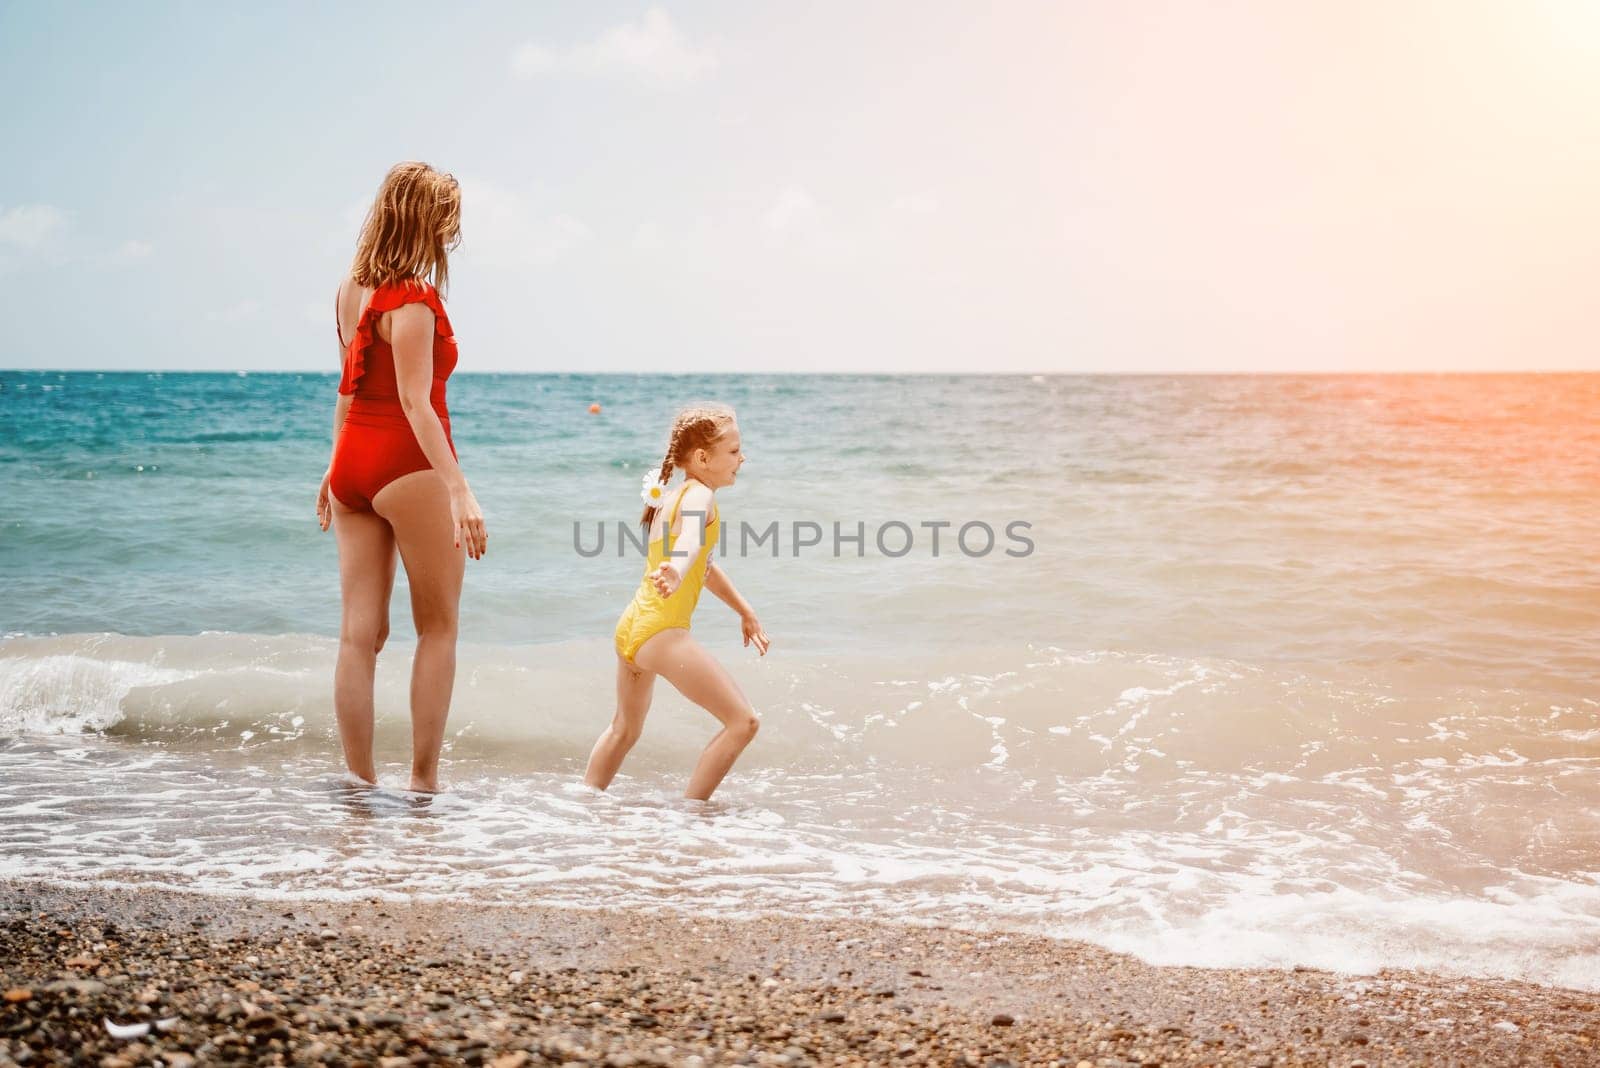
x: 653, y: 490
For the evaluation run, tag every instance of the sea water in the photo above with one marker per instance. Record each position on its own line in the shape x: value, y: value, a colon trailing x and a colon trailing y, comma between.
x: 1247, y: 670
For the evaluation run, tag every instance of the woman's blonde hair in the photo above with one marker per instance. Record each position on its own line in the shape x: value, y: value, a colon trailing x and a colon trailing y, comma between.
x: 414, y: 223
x: 697, y: 427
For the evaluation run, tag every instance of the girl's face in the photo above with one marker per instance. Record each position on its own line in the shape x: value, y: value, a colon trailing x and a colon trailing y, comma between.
x: 723, y: 459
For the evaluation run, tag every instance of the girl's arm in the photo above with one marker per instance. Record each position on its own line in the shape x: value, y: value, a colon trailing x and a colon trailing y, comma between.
x: 412, y: 327
x: 693, y: 514
x: 718, y: 582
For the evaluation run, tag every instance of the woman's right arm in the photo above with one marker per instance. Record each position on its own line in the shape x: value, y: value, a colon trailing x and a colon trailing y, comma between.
x: 412, y: 328
x: 341, y: 408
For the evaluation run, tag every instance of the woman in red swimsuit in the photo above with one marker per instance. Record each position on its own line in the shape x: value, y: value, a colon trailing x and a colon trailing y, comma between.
x: 393, y: 485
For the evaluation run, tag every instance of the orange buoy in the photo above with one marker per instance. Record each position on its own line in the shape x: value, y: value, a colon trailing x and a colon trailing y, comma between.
x: 594, y: 409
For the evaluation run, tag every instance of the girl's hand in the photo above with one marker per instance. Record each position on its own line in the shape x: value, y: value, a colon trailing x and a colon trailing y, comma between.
x: 753, y: 633
x: 467, y: 519
x: 324, y: 505
x: 666, y: 579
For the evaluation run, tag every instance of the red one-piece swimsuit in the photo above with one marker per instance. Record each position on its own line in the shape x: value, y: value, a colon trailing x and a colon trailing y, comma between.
x: 376, y: 444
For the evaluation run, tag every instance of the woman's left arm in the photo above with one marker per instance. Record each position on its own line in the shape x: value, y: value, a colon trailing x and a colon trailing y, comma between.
x: 718, y: 582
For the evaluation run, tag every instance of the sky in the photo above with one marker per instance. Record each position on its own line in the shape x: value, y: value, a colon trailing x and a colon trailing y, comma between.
x: 779, y: 187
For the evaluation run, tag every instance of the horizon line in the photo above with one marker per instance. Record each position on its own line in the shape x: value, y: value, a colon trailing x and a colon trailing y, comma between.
x: 251, y: 372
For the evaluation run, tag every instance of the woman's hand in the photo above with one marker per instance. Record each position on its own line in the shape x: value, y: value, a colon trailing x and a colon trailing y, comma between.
x: 666, y: 579
x: 324, y: 505
x: 467, y: 519
x: 753, y: 633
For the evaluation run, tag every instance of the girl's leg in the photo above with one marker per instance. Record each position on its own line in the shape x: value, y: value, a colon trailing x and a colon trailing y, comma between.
x: 634, y: 688
x: 366, y: 578
x: 417, y: 506
x: 684, y: 662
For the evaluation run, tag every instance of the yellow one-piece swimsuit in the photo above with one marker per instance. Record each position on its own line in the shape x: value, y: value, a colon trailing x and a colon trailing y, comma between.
x: 649, y: 613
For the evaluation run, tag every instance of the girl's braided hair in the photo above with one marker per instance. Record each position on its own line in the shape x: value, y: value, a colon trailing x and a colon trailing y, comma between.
x: 697, y: 427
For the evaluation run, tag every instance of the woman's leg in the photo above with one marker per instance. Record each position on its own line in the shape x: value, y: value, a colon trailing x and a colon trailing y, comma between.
x: 634, y: 687
x: 684, y: 662
x: 417, y: 506
x: 366, y: 578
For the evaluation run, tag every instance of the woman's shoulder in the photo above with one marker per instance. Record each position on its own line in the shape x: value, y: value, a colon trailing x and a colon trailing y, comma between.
x: 411, y: 300
x: 391, y: 295
x: 347, y: 291
x: 386, y: 296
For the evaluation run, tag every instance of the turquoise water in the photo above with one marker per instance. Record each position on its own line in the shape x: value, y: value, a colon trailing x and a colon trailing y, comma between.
x: 1264, y: 517
x: 136, y: 492
x: 1295, y: 670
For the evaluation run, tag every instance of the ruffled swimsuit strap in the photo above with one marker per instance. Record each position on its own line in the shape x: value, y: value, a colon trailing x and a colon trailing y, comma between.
x: 387, y: 298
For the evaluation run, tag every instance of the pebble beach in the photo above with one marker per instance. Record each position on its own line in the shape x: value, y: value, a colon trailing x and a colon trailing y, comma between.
x: 229, y: 980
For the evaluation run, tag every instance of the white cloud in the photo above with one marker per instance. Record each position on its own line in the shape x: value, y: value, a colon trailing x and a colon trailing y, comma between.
x: 130, y: 251
x: 794, y: 211
x: 28, y: 225
x: 500, y: 227
x: 796, y: 222
x: 651, y: 48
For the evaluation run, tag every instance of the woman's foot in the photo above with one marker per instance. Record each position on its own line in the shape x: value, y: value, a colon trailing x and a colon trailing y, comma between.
x: 367, y: 776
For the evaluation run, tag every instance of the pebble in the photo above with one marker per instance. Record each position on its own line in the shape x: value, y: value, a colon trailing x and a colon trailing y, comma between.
x: 80, y: 987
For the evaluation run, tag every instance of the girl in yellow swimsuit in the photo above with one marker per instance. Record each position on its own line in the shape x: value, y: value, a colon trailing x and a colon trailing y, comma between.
x: 653, y: 634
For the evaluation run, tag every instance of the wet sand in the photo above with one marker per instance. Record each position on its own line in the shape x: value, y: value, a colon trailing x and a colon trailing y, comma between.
x: 259, y: 982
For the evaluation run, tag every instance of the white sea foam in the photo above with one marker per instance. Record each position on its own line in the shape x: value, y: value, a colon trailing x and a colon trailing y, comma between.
x: 1186, y: 834
x: 70, y: 693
